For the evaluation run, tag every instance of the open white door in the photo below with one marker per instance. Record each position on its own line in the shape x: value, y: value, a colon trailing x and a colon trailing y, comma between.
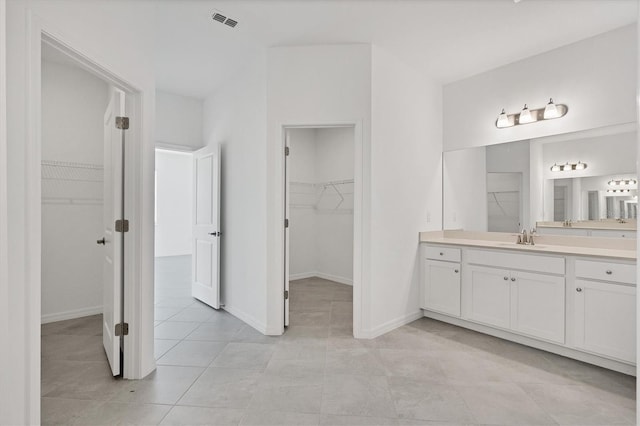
x: 112, y: 240
x: 286, y: 228
x: 206, y: 226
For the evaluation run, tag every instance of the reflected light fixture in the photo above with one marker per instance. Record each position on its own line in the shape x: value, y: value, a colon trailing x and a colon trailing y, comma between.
x: 526, y: 115
x: 567, y: 167
x: 550, y: 111
x: 618, y: 191
x: 618, y: 182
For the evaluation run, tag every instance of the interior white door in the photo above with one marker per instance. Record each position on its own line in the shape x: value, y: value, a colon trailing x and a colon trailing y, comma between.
x: 206, y: 226
x: 112, y: 240
x: 286, y: 228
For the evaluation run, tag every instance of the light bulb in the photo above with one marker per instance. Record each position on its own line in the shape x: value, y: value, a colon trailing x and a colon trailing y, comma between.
x: 581, y: 166
x: 550, y: 111
x: 503, y: 120
x: 525, y: 115
x: 555, y: 168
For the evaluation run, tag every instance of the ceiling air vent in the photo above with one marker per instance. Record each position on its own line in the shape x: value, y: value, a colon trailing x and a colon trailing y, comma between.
x: 219, y: 17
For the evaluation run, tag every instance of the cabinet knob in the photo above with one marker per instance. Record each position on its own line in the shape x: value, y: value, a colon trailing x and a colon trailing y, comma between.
x: 441, y: 254
x: 609, y: 272
x: 456, y: 271
x: 578, y: 289
x: 506, y: 278
x: 513, y: 279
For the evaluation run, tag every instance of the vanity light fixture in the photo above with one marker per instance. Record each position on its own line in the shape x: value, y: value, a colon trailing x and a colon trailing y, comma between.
x: 618, y: 182
x: 567, y: 167
x: 618, y: 191
x: 550, y: 111
x: 503, y: 120
x: 526, y: 115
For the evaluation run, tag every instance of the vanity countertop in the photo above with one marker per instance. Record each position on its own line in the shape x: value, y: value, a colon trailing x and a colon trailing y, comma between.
x: 619, y: 248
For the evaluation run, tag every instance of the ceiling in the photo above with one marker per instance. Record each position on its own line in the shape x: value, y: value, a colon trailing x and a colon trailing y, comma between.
x: 447, y: 39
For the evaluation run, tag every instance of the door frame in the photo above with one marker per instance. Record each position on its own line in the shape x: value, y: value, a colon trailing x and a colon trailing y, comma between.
x: 360, y: 229
x: 138, y: 309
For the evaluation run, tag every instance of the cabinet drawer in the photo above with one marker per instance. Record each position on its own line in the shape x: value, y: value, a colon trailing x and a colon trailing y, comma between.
x: 443, y: 253
x: 525, y: 262
x: 606, y: 271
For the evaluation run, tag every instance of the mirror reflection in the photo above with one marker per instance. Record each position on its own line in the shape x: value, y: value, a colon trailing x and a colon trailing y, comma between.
x: 581, y: 184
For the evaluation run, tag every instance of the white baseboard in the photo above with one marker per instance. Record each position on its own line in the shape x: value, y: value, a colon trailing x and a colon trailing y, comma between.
x: 322, y: 275
x: 67, y: 315
x: 301, y: 276
x: 250, y: 320
x: 335, y: 278
x: 390, y: 325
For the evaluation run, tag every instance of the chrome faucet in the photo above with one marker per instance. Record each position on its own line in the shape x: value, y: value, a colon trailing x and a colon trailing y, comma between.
x: 526, y: 239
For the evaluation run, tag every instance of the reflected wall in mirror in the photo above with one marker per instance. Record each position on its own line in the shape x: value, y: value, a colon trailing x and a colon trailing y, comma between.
x: 513, y: 186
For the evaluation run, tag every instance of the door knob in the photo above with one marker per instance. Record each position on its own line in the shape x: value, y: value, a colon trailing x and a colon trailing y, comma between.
x: 578, y: 289
x: 102, y: 241
x: 215, y: 234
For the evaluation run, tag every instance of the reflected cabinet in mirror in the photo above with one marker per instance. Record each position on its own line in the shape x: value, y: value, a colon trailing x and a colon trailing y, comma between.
x: 576, y: 184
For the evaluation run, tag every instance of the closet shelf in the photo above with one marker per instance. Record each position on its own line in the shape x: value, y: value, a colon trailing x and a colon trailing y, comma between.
x: 71, y: 183
x: 84, y: 172
x: 327, y: 197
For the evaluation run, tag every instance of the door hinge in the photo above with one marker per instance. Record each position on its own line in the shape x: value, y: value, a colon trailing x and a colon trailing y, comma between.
x: 286, y: 295
x: 122, y: 225
x: 122, y: 329
x: 286, y: 150
x: 122, y: 123
x: 286, y: 223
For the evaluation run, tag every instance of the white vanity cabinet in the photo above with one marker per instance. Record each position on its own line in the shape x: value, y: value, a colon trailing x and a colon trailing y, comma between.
x: 527, y: 303
x: 605, y: 309
x: 576, y: 305
x: 440, y: 289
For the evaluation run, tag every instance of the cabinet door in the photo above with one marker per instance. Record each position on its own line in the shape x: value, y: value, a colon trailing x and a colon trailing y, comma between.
x: 441, y: 287
x: 537, y: 305
x: 489, y: 296
x: 605, y: 319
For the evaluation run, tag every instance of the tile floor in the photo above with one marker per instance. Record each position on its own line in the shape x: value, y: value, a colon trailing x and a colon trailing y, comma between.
x: 215, y: 370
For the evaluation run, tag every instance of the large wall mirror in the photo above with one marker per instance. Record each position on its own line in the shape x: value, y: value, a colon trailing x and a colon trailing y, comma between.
x: 581, y: 183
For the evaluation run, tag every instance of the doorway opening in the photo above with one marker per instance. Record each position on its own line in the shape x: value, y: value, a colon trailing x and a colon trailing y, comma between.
x: 187, y: 248
x: 319, y: 235
x: 83, y: 122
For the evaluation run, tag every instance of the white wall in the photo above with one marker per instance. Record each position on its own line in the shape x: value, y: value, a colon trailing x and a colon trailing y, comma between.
x: 174, y: 203
x: 321, y: 229
x: 178, y: 121
x: 586, y: 76
x: 310, y: 85
x: 5, y: 386
x: 129, y: 53
x: 334, y: 232
x: 72, y: 211
x: 406, y: 194
x: 235, y: 117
